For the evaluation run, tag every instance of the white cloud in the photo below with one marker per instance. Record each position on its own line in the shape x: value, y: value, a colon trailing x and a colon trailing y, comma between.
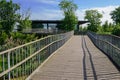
x: 105, y: 11
x: 47, y: 15
x: 47, y: 1
x: 57, y: 14
x: 80, y: 14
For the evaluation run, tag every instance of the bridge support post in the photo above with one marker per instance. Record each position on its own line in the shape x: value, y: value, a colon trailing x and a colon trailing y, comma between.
x: 78, y: 27
x: 9, y: 65
x: 47, y: 26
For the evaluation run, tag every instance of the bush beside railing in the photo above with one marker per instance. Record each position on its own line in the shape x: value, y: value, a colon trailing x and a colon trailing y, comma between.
x: 107, y: 47
x: 19, y: 62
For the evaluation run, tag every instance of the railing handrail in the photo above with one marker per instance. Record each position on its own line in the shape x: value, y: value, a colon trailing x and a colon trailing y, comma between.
x: 106, y: 35
x: 26, y: 44
x: 109, y: 48
x: 23, y: 45
x: 53, y: 40
x: 105, y: 41
x: 23, y: 61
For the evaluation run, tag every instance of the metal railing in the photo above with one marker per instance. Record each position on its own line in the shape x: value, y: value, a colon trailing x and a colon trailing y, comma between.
x: 39, y: 30
x: 19, y: 62
x: 107, y: 47
x: 115, y: 40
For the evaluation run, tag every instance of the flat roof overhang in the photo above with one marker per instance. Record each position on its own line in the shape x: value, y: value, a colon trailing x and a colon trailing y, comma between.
x: 55, y: 21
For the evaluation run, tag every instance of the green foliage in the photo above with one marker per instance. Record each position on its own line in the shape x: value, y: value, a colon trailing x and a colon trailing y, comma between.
x: 100, y: 30
x: 70, y: 20
x: 93, y: 16
x: 80, y: 28
x: 107, y: 27
x: 115, y: 15
x: 3, y: 37
x: 16, y: 39
x: 23, y: 37
x: 0, y: 27
x: 83, y: 29
x: 24, y: 21
x: 30, y: 37
x: 8, y: 15
x: 92, y: 27
x: 116, y: 30
x: 24, y: 24
x: 111, y: 26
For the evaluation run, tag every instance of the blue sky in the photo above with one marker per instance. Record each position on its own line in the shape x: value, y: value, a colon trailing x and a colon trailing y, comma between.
x: 49, y: 9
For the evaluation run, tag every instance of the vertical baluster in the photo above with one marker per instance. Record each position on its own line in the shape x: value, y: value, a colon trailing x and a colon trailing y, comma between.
x: 20, y: 73
x: 30, y: 60
x: 25, y: 52
x: 32, y: 64
x: 9, y: 65
x: 20, y: 54
x: 37, y: 60
x: 13, y: 59
x: 39, y: 52
x: 16, y: 60
x: 23, y: 70
x: 3, y: 57
x: 27, y: 68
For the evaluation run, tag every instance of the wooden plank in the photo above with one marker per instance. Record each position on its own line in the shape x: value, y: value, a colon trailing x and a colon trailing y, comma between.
x: 68, y: 61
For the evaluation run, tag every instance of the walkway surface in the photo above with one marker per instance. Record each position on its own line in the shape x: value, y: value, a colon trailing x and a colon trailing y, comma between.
x: 78, y: 59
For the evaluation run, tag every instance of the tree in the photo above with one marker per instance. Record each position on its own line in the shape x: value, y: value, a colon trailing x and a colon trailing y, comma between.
x: 93, y: 16
x: 8, y: 15
x: 115, y: 15
x: 111, y: 26
x: 116, y: 30
x: 24, y: 21
x: 105, y: 26
x: 70, y: 20
x: 3, y: 37
x: 100, y: 30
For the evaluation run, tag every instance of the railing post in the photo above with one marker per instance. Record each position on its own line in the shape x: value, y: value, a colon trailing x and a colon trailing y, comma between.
x: 20, y: 59
x: 3, y: 60
x: 9, y: 65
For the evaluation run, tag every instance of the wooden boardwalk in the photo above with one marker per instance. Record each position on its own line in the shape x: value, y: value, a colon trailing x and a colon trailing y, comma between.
x: 78, y: 59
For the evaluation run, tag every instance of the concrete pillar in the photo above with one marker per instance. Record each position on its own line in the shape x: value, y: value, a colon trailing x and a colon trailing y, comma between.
x: 47, y: 26
x: 78, y: 27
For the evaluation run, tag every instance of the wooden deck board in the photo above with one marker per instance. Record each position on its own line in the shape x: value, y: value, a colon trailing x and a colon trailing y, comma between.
x: 78, y: 59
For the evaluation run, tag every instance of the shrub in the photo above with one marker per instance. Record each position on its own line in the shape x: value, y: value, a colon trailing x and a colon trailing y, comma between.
x: 3, y: 37
x: 23, y: 37
x: 14, y: 40
x: 116, y: 30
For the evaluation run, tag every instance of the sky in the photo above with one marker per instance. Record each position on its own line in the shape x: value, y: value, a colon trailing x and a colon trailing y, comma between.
x: 49, y: 9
